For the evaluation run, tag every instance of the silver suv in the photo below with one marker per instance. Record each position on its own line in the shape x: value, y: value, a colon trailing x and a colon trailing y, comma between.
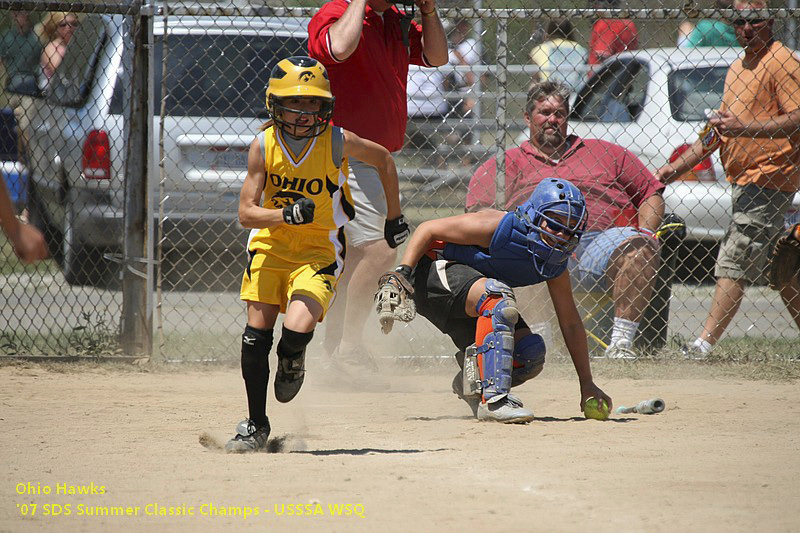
x: 217, y: 70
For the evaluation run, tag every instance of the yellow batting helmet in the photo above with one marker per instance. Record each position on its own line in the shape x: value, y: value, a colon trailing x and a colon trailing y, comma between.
x: 300, y: 76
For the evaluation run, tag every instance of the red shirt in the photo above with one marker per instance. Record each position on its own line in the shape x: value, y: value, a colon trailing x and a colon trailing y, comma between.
x: 609, y: 176
x: 611, y: 36
x: 370, y: 85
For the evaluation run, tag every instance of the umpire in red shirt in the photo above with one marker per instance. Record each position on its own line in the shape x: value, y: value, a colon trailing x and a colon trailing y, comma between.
x: 367, y: 46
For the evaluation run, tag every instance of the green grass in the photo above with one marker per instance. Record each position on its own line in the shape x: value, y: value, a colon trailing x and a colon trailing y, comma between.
x: 750, y: 358
x: 91, y: 337
x: 197, y: 347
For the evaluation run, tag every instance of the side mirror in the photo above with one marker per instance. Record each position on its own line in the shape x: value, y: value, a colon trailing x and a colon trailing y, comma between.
x: 24, y: 84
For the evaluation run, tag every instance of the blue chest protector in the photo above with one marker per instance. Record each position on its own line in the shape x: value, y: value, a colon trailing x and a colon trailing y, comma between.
x: 507, y: 259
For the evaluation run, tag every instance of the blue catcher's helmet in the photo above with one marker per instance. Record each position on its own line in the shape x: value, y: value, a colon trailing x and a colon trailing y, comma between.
x: 554, y: 196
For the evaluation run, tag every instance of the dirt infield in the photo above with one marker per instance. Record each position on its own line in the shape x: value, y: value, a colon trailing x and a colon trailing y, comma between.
x: 114, y: 448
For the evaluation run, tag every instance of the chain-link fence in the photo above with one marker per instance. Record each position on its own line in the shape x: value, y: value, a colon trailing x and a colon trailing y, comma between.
x: 134, y: 122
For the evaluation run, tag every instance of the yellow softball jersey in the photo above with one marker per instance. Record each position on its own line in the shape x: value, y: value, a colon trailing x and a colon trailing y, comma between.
x: 304, y: 258
x: 312, y: 173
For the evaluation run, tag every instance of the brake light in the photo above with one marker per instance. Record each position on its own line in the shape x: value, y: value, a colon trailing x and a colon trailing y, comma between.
x: 96, y: 164
x: 703, y: 171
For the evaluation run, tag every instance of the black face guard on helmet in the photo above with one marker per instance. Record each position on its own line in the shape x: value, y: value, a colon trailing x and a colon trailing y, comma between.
x: 408, y: 6
x: 319, y: 119
x: 407, y: 13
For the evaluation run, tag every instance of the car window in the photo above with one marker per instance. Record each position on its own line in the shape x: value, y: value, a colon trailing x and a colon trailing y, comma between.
x: 73, y: 78
x: 637, y: 90
x: 610, y: 95
x: 221, y: 75
x: 693, y: 90
x: 215, y: 75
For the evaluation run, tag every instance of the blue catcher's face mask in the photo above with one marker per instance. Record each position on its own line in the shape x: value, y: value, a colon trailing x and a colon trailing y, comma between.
x: 558, y: 231
x: 553, y: 239
x: 555, y: 217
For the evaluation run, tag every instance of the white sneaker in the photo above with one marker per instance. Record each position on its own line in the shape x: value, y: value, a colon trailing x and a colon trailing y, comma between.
x: 506, y: 409
x: 692, y: 353
x: 621, y: 350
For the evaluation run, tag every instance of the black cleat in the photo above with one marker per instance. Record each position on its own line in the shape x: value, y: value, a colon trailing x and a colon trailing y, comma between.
x: 289, y: 377
x: 249, y: 438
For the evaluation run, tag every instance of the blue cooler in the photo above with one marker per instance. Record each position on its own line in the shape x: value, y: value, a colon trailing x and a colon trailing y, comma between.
x: 16, y: 177
x: 14, y: 173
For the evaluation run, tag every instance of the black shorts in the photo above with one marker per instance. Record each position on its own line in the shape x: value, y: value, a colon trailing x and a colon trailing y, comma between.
x: 440, y: 294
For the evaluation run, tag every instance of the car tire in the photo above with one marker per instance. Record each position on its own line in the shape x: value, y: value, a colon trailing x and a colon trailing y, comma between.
x: 38, y: 218
x: 82, y: 264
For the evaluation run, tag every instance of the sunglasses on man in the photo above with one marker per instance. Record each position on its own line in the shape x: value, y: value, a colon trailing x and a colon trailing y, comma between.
x: 741, y: 22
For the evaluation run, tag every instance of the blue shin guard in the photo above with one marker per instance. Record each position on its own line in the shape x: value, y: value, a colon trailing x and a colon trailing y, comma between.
x: 495, y: 350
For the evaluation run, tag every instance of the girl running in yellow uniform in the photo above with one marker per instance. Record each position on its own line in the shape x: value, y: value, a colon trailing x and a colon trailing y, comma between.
x: 296, y: 199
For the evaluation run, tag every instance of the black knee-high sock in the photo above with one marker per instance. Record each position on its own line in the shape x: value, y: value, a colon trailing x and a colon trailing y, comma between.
x: 293, y: 342
x: 256, y: 344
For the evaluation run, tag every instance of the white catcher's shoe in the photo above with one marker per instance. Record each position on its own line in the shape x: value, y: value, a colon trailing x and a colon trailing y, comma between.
x: 506, y: 409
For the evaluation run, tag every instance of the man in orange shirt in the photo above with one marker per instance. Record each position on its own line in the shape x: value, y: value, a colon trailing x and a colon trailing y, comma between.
x: 758, y: 131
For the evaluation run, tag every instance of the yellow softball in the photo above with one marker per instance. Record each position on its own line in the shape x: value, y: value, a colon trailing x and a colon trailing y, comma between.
x: 595, y: 409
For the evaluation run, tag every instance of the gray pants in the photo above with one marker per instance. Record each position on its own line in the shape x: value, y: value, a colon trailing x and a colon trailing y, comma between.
x: 758, y: 220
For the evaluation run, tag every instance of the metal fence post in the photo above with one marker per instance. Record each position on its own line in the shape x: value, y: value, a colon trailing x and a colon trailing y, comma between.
x: 137, y: 332
x: 652, y: 334
x: 502, y: 98
x: 791, y: 27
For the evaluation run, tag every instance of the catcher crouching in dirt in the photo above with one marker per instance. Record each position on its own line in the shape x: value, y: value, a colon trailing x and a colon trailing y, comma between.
x: 458, y: 272
x: 296, y: 247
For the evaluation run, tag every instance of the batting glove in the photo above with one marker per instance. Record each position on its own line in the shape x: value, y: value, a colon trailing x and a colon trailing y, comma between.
x: 405, y: 271
x: 395, y: 231
x: 300, y: 212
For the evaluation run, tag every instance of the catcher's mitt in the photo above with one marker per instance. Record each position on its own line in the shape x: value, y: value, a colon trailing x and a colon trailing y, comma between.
x: 394, y: 300
x: 784, y: 265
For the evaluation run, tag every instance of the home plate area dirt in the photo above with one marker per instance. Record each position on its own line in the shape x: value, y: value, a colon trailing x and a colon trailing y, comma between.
x: 106, y: 447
